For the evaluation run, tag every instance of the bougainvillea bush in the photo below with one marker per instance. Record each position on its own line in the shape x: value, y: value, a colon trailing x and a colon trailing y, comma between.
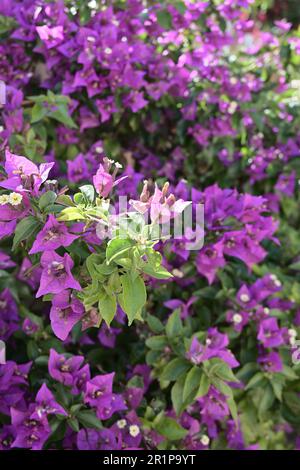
x: 113, y: 337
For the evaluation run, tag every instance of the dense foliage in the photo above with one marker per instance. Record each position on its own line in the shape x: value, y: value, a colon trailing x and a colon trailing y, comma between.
x: 117, y: 338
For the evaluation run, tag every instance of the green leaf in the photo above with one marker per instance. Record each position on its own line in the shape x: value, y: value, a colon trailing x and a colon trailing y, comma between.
x: 61, y: 115
x: 133, y: 297
x: 295, y: 266
x: 289, y: 373
x: 107, y: 307
x: 222, y: 386
x: 65, y: 200
x: 277, y: 383
x: 38, y: 112
x: 155, y: 324
x: 177, y: 395
x: 25, y: 229
x: 267, y: 399
x: 224, y: 372
x: 255, y: 381
x: 73, y: 423
x: 47, y: 199
x: 88, y: 419
x: 157, y: 343
x: 203, y: 387
x: 79, y: 198
x: 164, y: 19
x: 70, y: 213
x: 89, y: 192
x: 170, y: 429
x: 174, y: 325
x: 292, y: 400
x: 117, y: 247
x: 233, y: 408
x: 157, y: 273
x: 175, y: 369
x: 180, y: 6
x: 192, y: 382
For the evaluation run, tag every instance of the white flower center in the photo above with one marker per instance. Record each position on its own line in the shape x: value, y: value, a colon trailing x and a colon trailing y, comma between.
x: 237, y: 318
x: 134, y: 430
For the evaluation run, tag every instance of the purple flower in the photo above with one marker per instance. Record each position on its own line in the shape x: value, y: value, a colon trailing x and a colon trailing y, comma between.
x: 209, y: 260
x: 107, y: 335
x: 286, y: 184
x: 7, y: 228
x: 13, y: 379
x: 269, y: 333
x: 50, y: 36
x: 29, y: 327
x: 9, y: 318
x: 245, y: 297
x: 99, y: 394
x: 80, y: 379
x: 240, y: 245
x: 7, y: 436
x: 5, y: 261
x: 53, y: 235
x: 105, y: 439
x: 213, y: 405
x: 30, y: 433
x: 29, y: 273
x: 56, y: 275
x: 265, y: 287
x: 65, y: 312
x: 103, y: 180
x: 46, y: 404
x: 23, y: 174
x: 133, y: 397
x: 77, y: 169
x: 183, y: 306
x: 135, y: 101
x: 63, y: 370
x: 271, y: 362
x: 237, y: 319
x: 130, y: 430
x: 215, y: 347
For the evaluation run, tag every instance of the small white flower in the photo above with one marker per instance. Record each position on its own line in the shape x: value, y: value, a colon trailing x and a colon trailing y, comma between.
x: 92, y: 5
x: 266, y: 310
x: 237, y: 318
x: 4, y: 199
x: 15, y: 199
x: 292, y: 340
x: 108, y: 50
x: 232, y: 107
x: 177, y: 273
x: 244, y: 298
x: 121, y: 423
x: 204, y: 440
x: 292, y: 332
x: 134, y: 430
